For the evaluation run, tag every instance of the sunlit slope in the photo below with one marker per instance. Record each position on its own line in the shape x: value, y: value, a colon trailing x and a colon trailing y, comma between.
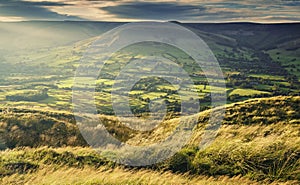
x: 252, y: 120
x: 255, y: 119
x: 259, y: 139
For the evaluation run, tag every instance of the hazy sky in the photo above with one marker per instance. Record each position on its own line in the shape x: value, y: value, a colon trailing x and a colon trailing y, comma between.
x: 129, y: 10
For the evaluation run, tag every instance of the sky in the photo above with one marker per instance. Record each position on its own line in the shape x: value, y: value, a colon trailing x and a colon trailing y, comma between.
x: 263, y: 11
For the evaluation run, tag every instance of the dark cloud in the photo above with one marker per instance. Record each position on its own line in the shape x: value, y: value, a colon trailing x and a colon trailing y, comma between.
x: 161, y: 11
x: 172, y: 11
x: 232, y: 5
x: 30, y: 3
x: 292, y: 4
x: 206, y: 11
x: 32, y: 10
x: 288, y: 2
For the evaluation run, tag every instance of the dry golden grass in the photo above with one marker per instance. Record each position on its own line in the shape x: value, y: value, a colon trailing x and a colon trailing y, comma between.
x: 259, y: 139
x: 88, y: 176
x: 60, y: 173
x: 260, y: 117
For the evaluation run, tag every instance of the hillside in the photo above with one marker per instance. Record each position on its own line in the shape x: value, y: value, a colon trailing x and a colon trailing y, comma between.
x: 254, y: 116
x: 44, y: 126
x: 259, y: 139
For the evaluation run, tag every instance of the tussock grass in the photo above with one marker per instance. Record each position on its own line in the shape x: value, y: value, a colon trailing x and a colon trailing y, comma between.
x: 259, y: 140
x: 103, y: 175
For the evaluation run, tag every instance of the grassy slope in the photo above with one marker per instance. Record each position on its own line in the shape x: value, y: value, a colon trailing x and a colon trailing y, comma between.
x: 259, y: 139
x: 90, y: 175
x: 75, y: 165
x: 260, y: 112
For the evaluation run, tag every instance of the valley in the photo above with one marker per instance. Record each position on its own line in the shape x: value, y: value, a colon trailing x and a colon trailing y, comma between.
x: 258, y: 141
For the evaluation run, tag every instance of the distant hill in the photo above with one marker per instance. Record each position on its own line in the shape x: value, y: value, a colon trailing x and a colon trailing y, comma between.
x: 51, y: 33
x: 248, y: 40
x: 253, y: 35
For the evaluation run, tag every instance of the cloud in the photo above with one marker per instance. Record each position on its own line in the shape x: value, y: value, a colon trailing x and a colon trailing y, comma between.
x: 161, y: 11
x: 208, y: 11
x: 131, y: 10
x: 285, y: 2
x: 177, y: 11
x: 33, y: 10
x: 31, y: 3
